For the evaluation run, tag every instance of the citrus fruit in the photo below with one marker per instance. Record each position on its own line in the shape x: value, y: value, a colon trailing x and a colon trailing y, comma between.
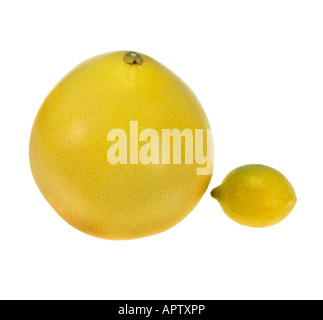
x: 97, y: 151
x: 255, y: 196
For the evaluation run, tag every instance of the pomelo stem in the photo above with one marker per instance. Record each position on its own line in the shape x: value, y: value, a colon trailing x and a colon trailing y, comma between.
x: 133, y: 58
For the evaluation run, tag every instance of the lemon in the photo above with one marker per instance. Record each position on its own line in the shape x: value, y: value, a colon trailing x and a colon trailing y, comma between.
x: 117, y: 186
x: 256, y: 196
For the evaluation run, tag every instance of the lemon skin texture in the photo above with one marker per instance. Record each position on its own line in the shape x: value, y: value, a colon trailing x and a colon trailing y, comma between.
x: 68, y: 148
x: 256, y: 196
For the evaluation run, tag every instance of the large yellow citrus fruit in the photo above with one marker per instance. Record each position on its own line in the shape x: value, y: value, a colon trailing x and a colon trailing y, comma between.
x: 256, y: 196
x: 70, y: 145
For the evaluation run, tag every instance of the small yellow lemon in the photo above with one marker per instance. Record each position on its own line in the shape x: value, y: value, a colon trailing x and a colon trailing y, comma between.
x: 255, y: 196
x: 97, y: 148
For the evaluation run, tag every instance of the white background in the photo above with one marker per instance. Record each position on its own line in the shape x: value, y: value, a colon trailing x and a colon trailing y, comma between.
x: 257, y: 68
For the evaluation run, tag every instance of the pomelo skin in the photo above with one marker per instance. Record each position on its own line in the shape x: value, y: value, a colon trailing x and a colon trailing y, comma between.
x: 69, y: 146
